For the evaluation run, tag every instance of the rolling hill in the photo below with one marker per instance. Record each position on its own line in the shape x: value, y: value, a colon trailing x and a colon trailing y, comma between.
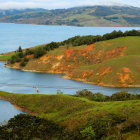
x: 113, y: 63
x: 78, y: 16
x: 81, y: 117
x: 5, y: 13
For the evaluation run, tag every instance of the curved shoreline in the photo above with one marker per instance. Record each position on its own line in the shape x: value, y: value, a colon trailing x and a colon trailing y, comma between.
x: 76, y: 79
x: 18, y: 106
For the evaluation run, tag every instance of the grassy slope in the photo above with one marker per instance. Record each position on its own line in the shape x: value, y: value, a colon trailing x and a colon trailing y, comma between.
x: 116, y: 67
x: 76, y: 112
x: 106, y: 51
x: 129, y: 60
x: 5, y: 57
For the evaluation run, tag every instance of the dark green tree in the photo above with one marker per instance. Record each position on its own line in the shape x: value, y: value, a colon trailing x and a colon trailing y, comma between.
x: 19, y: 49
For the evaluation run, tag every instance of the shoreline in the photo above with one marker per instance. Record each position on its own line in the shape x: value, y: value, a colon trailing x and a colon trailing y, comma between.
x: 101, y: 84
x: 18, y: 106
x: 78, y: 79
x: 20, y: 23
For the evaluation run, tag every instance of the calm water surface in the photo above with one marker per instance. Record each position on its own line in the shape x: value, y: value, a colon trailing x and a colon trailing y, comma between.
x: 13, y: 35
x: 11, y: 80
x: 23, y: 82
x: 7, y: 111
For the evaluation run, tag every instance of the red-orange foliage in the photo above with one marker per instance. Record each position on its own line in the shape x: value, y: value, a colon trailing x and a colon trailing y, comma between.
x: 87, y: 55
x: 90, y: 47
x: 86, y: 74
x: 115, y: 53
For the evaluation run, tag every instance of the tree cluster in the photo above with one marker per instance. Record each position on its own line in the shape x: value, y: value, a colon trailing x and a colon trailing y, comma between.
x: 26, y: 127
x: 74, y: 41
x: 20, y: 55
x: 119, y: 96
x: 86, y: 40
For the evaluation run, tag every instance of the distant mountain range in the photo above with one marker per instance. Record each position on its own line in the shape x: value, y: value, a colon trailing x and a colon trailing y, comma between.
x: 78, y: 16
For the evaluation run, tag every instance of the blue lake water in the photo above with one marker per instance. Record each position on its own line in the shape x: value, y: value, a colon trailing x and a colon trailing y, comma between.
x: 7, y: 111
x: 26, y: 35
x: 23, y: 82
x: 11, y: 80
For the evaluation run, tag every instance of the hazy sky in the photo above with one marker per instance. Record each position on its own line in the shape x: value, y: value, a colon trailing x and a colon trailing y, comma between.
x: 53, y: 4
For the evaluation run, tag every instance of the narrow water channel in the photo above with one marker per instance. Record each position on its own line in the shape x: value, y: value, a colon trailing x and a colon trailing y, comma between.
x: 7, y: 111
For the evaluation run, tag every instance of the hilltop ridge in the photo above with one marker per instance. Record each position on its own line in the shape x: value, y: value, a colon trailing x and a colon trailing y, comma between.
x: 77, y: 16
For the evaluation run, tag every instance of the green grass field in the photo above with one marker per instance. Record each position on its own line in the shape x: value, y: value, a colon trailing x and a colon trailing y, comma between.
x: 5, y: 57
x: 76, y: 113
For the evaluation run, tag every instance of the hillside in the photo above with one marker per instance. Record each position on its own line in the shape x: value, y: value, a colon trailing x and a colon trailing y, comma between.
x: 113, y: 63
x: 82, y: 118
x: 5, y: 13
x: 79, y: 16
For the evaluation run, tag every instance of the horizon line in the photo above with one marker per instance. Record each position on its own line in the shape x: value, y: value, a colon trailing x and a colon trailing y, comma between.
x: 71, y: 7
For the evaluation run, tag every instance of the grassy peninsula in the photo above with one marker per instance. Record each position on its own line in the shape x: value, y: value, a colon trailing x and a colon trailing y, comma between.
x: 109, y: 60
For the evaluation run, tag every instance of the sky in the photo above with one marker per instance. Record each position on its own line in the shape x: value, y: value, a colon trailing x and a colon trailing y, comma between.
x: 56, y: 4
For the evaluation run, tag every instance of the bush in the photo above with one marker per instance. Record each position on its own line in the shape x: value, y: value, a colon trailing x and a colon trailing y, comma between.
x: 121, y: 96
x: 59, y: 91
x: 99, y: 97
x: 97, y: 129
x: 24, y: 127
x: 28, y: 52
x: 51, y: 46
x: 20, y: 54
x: 92, y: 96
x: 88, y: 133
x: 84, y: 92
x: 14, y: 59
x: 38, y: 52
x: 23, y: 63
x: 25, y: 59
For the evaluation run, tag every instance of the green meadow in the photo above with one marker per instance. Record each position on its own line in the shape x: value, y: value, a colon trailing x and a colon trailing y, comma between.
x: 115, y: 119
x: 5, y: 57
